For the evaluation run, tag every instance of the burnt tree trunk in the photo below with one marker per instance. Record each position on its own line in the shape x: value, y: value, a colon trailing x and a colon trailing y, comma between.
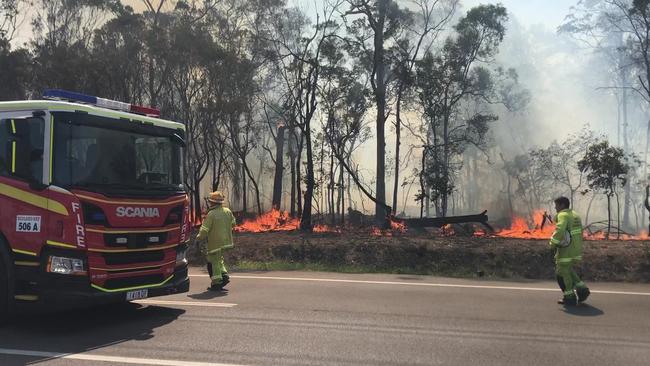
x: 292, y: 163
x: 244, y: 200
x: 645, y: 172
x: 255, y: 187
x: 609, y: 214
x: 299, y: 178
x: 305, y: 220
x: 331, y: 191
x: 380, y: 98
x: 398, y: 133
x: 279, y: 169
x: 646, y: 203
x: 626, y: 147
x: 341, y: 204
x: 197, y: 200
x: 422, y: 183
x: 216, y: 172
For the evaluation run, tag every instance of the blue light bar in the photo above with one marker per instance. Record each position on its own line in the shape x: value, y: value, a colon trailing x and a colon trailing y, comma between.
x: 68, y: 95
x: 59, y: 94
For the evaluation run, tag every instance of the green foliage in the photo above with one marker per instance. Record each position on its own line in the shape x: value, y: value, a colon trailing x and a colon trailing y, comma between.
x: 13, y: 84
x: 606, y: 167
x: 449, y: 83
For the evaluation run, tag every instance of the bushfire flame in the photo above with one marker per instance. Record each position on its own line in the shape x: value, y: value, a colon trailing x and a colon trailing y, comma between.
x: 274, y: 220
x: 396, y: 227
x: 520, y: 229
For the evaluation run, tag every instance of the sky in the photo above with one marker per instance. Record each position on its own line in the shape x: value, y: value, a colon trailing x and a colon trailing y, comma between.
x: 550, y: 13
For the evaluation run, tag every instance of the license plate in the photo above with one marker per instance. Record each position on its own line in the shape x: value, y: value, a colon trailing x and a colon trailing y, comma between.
x: 137, y: 295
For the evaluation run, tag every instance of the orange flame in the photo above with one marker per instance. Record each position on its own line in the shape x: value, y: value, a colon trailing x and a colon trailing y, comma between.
x: 274, y: 220
x: 520, y: 229
x: 448, y: 230
x: 325, y: 229
x: 375, y: 231
x: 602, y: 235
x: 397, y: 226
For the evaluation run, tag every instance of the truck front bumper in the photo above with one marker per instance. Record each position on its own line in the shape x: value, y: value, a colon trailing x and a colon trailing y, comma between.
x: 56, y: 292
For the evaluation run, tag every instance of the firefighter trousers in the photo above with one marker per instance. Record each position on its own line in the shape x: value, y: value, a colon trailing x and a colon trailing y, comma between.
x: 216, y: 267
x: 567, y: 278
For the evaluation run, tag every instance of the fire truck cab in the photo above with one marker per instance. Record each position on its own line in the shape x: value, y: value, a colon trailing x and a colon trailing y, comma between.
x: 92, y: 205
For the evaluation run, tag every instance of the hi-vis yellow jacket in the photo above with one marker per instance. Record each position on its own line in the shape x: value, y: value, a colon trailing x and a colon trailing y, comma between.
x: 217, y: 227
x: 567, y: 220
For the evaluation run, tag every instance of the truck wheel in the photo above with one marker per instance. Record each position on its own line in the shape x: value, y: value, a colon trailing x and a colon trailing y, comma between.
x: 6, y: 284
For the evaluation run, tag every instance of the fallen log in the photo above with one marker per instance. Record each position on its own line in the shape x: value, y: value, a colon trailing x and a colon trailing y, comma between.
x: 439, y: 222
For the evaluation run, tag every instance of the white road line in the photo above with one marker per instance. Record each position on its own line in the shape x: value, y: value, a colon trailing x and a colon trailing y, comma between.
x: 425, y: 284
x: 186, y: 303
x: 101, y: 358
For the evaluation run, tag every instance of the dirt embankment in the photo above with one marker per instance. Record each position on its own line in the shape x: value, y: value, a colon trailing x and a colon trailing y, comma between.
x: 423, y: 253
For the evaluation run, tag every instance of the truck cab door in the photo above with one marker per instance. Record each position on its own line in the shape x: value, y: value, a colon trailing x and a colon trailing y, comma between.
x: 22, y: 192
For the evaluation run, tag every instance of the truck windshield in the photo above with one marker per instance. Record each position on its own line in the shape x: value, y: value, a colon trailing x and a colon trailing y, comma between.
x: 111, y: 155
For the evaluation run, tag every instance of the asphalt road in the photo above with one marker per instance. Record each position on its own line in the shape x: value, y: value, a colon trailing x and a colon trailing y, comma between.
x: 306, y: 318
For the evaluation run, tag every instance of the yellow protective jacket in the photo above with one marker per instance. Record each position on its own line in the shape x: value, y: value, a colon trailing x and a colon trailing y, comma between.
x: 217, y: 227
x: 567, y: 220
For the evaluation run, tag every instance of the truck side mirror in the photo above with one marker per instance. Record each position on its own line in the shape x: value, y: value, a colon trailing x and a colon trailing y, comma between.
x: 179, y: 140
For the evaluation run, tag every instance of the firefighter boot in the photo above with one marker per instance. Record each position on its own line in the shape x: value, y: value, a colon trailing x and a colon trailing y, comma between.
x: 583, y: 293
x: 568, y: 300
x: 225, y: 279
x: 218, y: 286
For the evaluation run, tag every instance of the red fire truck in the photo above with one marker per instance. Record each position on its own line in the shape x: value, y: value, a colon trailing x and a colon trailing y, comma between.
x: 92, y: 205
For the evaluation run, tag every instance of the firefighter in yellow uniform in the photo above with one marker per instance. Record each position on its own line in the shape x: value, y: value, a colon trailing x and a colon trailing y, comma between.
x: 217, y: 228
x: 567, y: 242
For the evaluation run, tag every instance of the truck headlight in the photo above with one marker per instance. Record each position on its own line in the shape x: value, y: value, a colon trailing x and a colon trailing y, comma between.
x: 66, y: 266
x: 180, y: 257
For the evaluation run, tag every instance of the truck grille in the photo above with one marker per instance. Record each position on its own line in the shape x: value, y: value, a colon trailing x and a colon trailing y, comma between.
x: 134, y: 240
x: 116, y: 283
x: 116, y: 259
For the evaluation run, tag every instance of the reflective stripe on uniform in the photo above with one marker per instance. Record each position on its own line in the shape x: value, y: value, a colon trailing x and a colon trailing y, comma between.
x: 554, y: 241
x: 576, y: 231
x: 565, y: 260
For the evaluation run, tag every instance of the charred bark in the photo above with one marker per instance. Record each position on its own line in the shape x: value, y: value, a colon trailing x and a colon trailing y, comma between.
x: 439, y: 222
x: 279, y: 169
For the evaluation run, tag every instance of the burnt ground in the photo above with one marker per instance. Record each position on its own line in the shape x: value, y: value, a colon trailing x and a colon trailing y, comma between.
x: 426, y: 253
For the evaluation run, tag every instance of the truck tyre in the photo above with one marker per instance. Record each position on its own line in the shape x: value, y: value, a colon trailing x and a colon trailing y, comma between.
x: 6, y: 283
